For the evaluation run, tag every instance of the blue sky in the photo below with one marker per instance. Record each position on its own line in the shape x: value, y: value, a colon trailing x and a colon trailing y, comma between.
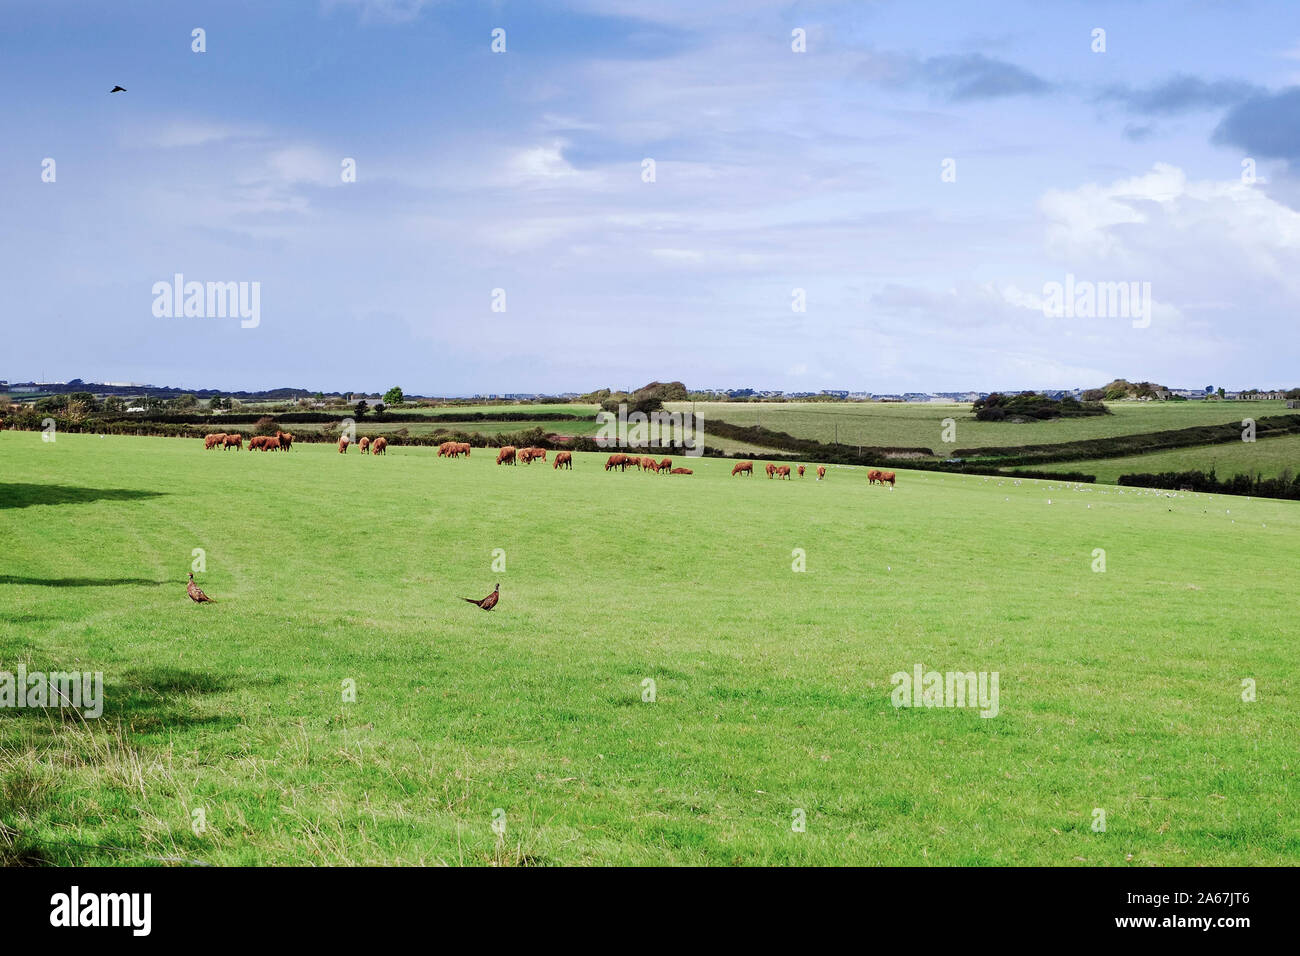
x: 775, y: 170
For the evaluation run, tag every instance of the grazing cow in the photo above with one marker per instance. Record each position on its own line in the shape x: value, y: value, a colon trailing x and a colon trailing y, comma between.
x: 801, y: 471
x: 233, y: 440
x: 821, y: 472
x: 666, y: 465
x: 343, y: 444
x: 445, y: 449
x: 743, y: 468
x: 256, y: 441
x: 364, y: 445
x: 783, y: 471
x: 614, y: 461
x: 771, y: 469
x: 379, y: 446
x: 270, y: 443
x: 888, y: 476
x: 506, y: 456
x: 632, y: 461
x: 538, y: 454
x: 681, y: 471
x: 649, y: 464
x: 286, y: 440
x: 211, y: 441
x: 563, y: 459
x: 463, y: 448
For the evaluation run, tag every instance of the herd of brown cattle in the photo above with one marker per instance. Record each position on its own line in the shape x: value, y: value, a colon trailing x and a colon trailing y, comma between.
x: 783, y: 471
x: 509, y: 455
x: 223, y: 441
x: 368, y: 445
x: 624, y: 462
x: 280, y: 441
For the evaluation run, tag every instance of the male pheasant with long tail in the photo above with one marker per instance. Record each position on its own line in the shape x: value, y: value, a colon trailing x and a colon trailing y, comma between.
x: 489, y: 602
x: 196, y: 593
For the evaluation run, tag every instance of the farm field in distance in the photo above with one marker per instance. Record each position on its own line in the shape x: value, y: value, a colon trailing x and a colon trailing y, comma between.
x: 1119, y: 689
x: 921, y: 424
x: 1270, y: 457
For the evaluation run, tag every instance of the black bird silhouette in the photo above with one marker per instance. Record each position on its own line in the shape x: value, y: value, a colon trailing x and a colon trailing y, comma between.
x: 118, y: 89
x: 489, y: 602
x: 195, y: 592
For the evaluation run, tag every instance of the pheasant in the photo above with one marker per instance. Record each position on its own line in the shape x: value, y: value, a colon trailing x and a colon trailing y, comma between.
x: 196, y: 593
x: 489, y: 602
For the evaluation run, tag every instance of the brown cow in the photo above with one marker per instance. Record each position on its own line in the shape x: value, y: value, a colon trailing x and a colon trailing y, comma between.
x: 783, y: 471
x: 364, y: 444
x: 563, y: 459
x: 445, y: 449
x: 873, y: 476
x: 256, y: 441
x: 888, y: 476
x: 666, y: 465
x: 212, y: 440
x: 681, y: 471
x: 270, y: 443
x: 538, y: 454
x: 770, y: 469
x: 743, y: 467
x: 379, y: 446
x: 801, y: 471
x: 463, y: 448
x: 649, y: 464
x: 343, y: 444
x: 233, y: 440
x: 506, y: 456
x: 821, y: 472
x: 286, y: 440
x: 614, y: 461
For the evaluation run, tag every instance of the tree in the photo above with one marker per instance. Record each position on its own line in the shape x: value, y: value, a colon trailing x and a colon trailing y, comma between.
x: 362, y: 407
x: 394, y: 396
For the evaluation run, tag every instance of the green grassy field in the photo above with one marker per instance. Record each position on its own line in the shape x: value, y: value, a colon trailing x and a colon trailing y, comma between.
x: 1269, y: 457
x: 1118, y: 690
x: 921, y: 425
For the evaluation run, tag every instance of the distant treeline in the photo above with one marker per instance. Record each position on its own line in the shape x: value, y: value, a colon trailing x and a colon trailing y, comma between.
x: 841, y: 454
x: 211, y: 422
x: 1284, y: 486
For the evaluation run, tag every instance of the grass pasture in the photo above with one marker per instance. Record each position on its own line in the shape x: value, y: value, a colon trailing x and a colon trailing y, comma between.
x: 1118, y: 690
x: 1269, y: 457
x: 920, y: 425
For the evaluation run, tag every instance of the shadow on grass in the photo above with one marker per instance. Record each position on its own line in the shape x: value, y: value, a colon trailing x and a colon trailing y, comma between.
x: 24, y: 494
x: 80, y: 582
